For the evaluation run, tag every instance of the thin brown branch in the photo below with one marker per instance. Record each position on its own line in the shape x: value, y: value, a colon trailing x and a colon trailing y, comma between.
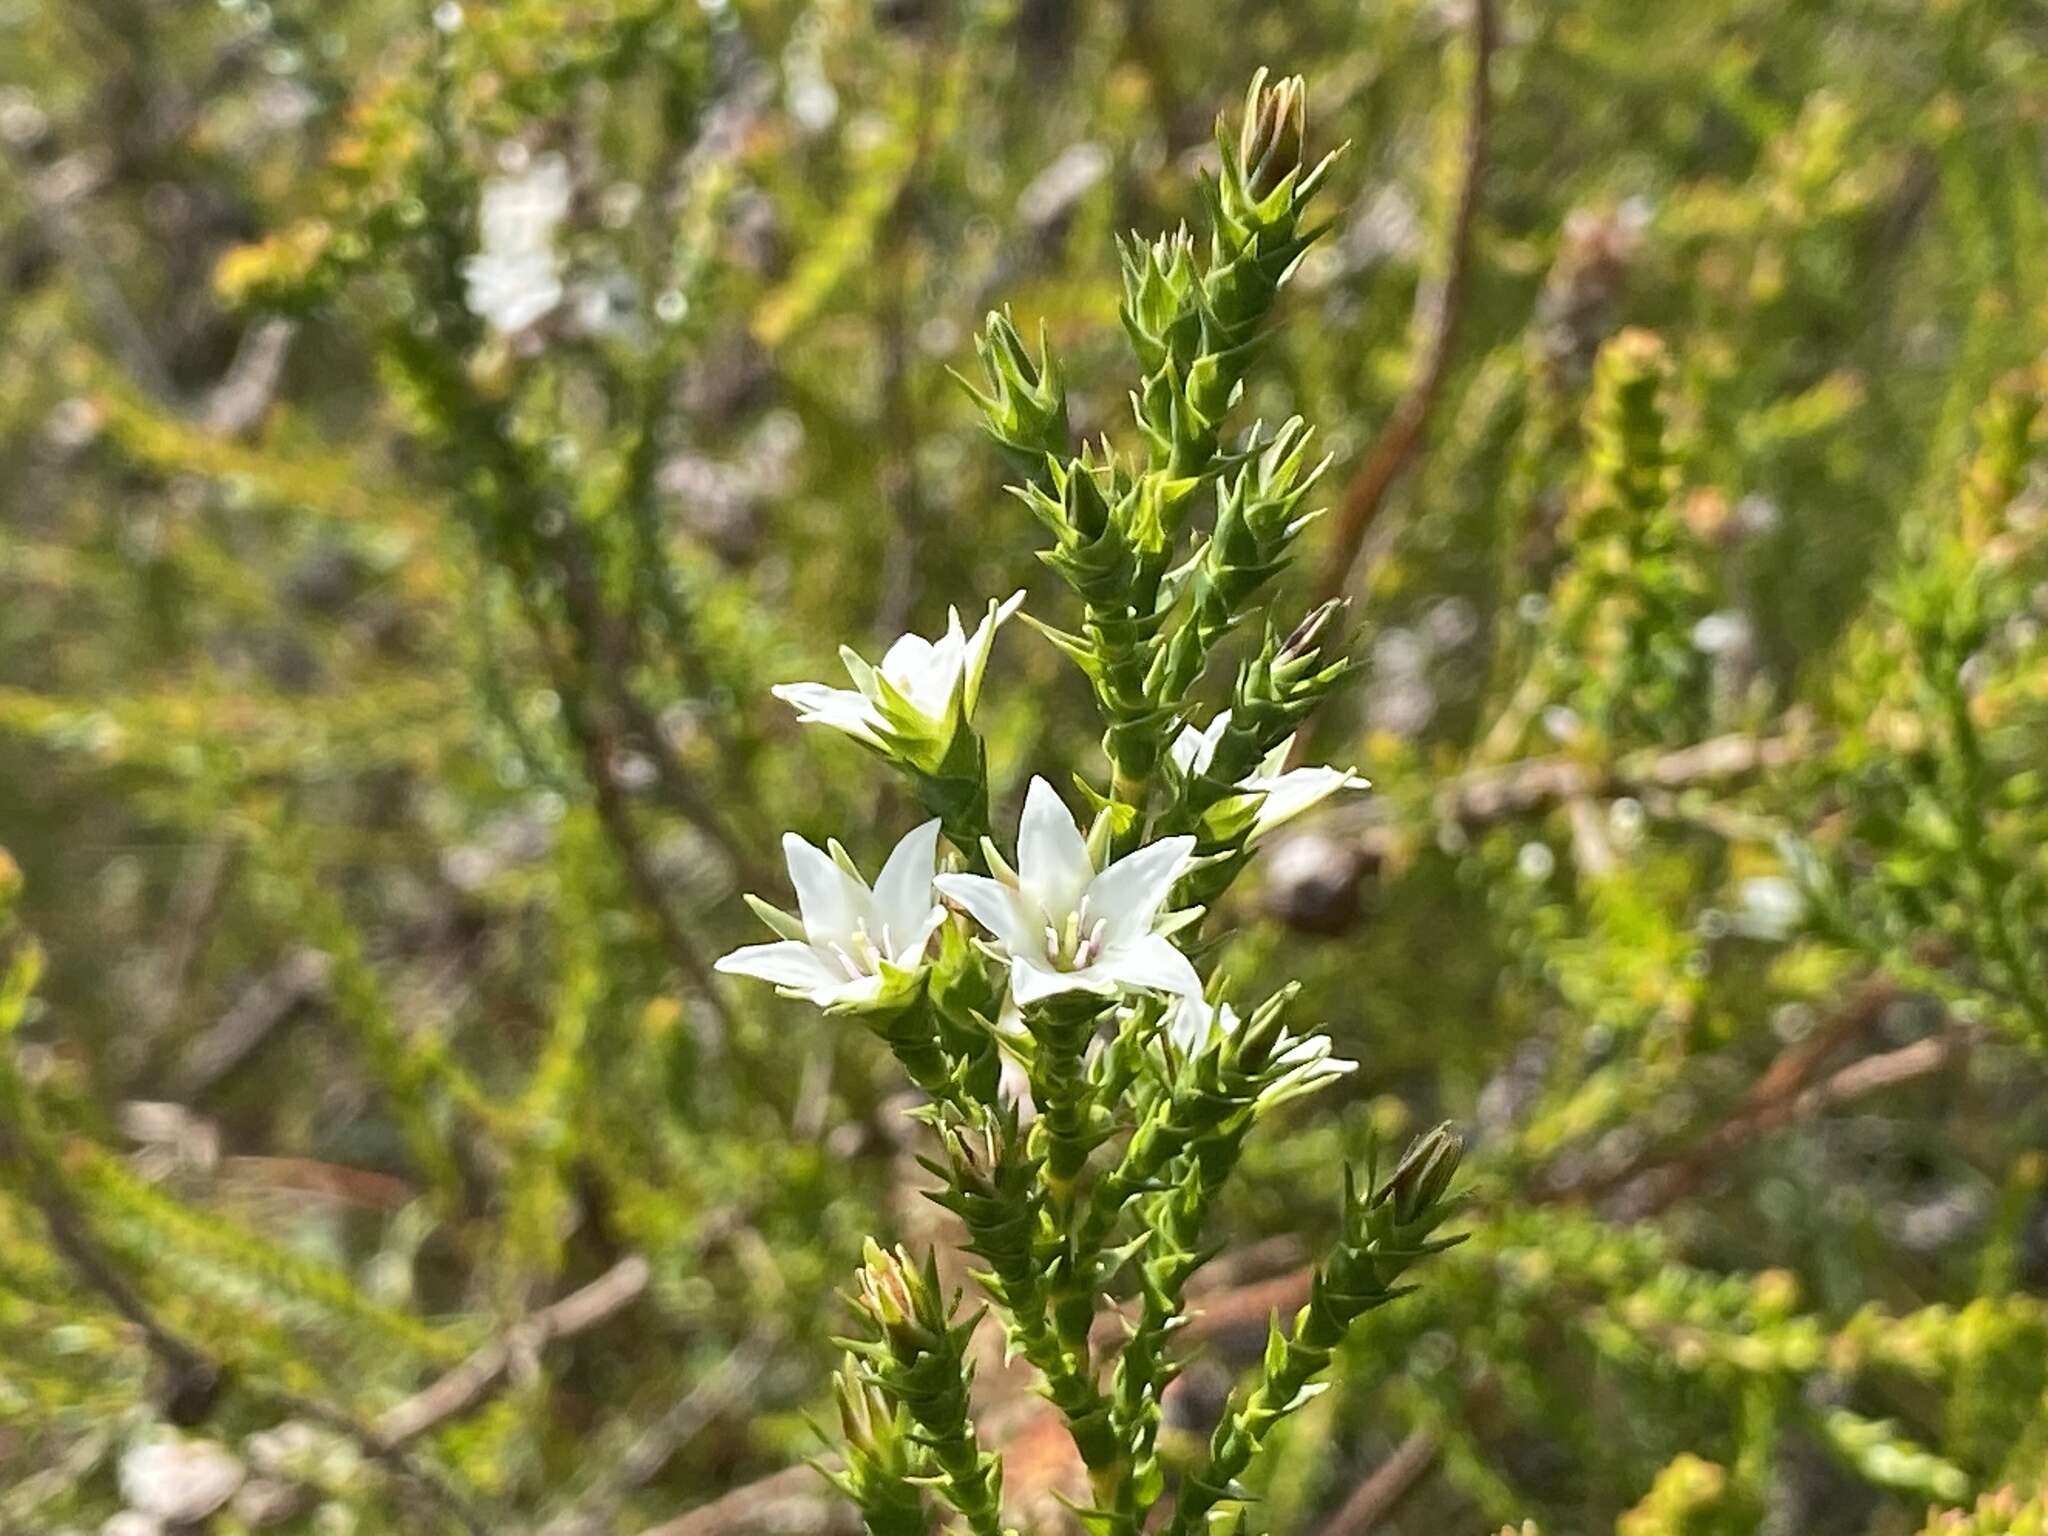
x: 651, y: 1450
x: 1374, y: 1499
x: 419, y: 1473
x: 298, y: 1177
x: 1788, y: 1075
x: 254, y: 1015
x: 597, y: 750
x: 1481, y: 797
x: 1648, y: 1190
x: 471, y: 1383
x: 793, y: 1502
x: 1666, y: 1184
x: 1484, y: 796
x: 1438, y: 306
x: 247, y: 390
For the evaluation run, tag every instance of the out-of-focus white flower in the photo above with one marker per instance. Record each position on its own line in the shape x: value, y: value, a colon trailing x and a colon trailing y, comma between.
x: 1066, y: 927
x: 1726, y: 633
x: 851, y: 942
x: 1770, y: 907
x: 1287, y: 792
x: 924, y: 689
x: 179, y: 1482
x: 515, y: 278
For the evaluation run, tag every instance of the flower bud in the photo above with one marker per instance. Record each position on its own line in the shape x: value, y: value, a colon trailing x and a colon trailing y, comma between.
x: 1025, y: 405
x: 1269, y: 140
x: 893, y: 1297
x: 868, y: 1422
x: 1423, y: 1176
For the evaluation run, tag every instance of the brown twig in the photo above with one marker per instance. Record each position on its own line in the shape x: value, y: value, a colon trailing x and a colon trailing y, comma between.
x: 238, y: 401
x: 1390, y: 1482
x: 1664, y: 1185
x: 1438, y: 305
x: 265, y: 1004
x: 415, y: 1471
x: 597, y: 1510
x: 1644, y: 1191
x: 298, y: 1177
x: 1488, y: 794
x: 597, y: 750
x: 1483, y: 796
x: 472, y: 1382
x: 793, y: 1502
x: 1788, y: 1075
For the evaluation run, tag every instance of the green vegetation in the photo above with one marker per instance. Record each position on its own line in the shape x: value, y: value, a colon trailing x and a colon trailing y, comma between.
x: 433, y: 431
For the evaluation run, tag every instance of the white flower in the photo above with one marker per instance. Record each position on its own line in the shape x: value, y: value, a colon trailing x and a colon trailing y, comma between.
x: 1299, y: 1064
x: 922, y: 688
x: 1772, y: 908
x: 510, y: 291
x: 178, y: 1482
x: 1288, y: 791
x: 848, y: 935
x: 1307, y: 1066
x: 1067, y: 928
x: 516, y: 278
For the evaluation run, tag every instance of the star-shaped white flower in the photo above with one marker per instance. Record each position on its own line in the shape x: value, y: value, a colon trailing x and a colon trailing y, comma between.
x: 849, y: 938
x: 1064, y: 926
x: 923, y: 688
x: 1287, y: 792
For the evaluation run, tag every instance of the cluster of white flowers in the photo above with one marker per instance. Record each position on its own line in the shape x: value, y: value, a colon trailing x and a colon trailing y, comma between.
x: 1064, y: 920
x: 515, y: 278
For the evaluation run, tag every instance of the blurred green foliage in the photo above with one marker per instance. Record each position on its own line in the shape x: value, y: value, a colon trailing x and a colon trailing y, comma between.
x: 385, y: 737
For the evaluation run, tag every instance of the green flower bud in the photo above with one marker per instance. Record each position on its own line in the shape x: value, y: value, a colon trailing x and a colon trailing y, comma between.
x: 1025, y: 404
x: 1270, y: 138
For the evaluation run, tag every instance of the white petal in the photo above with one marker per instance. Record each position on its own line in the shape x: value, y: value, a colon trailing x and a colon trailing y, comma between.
x: 785, y: 962
x: 1012, y: 917
x: 860, y: 989
x: 1290, y: 794
x: 832, y: 902
x: 1052, y: 856
x: 1189, y: 1026
x: 903, y: 890
x: 909, y: 949
x: 1131, y: 891
x: 511, y: 290
x: 1152, y: 963
x: 180, y: 1481
x: 906, y: 657
x: 1031, y: 982
x: 923, y: 672
x: 1193, y: 750
x: 840, y: 708
x: 520, y: 212
x: 983, y: 640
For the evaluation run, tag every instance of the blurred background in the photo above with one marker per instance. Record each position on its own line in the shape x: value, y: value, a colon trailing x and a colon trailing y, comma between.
x: 429, y: 430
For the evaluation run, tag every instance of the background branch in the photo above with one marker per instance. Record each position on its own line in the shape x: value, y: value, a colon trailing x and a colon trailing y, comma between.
x: 1438, y: 305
